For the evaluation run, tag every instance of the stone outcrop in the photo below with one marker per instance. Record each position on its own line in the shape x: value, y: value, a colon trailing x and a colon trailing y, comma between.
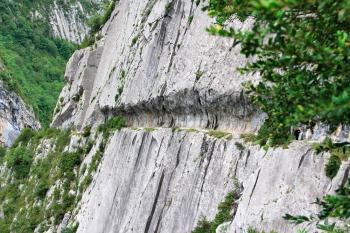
x: 156, y: 66
x: 15, y: 115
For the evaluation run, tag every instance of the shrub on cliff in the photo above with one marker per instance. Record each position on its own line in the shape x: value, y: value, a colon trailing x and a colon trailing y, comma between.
x: 20, y: 160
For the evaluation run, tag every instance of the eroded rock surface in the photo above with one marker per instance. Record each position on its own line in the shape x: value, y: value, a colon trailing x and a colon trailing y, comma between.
x: 158, y: 69
x: 15, y: 115
x: 156, y: 66
x: 164, y: 181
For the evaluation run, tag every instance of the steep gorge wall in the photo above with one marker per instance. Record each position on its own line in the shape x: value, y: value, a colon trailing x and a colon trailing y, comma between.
x: 164, y: 181
x: 156, y: 66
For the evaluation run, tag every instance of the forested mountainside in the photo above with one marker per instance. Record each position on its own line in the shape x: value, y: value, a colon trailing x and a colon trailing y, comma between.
x: 178, y: 116
x: 34, y: 47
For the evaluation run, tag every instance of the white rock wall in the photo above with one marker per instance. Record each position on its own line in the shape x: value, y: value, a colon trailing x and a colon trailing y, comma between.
x: 69, y: 24
x: 164, y: 181
x: 159, y: 70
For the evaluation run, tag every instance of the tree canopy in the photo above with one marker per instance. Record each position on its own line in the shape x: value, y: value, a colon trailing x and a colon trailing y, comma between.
x: 301, y: 50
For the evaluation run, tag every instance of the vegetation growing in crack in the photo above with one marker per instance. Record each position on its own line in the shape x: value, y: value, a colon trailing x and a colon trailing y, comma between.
x: 225, y: 214
x: 114, y: 124
x: 218, y: 134
x: 120, y: 85
x: 254, y: 230
x: 339, y: 152
x: 111, y: 125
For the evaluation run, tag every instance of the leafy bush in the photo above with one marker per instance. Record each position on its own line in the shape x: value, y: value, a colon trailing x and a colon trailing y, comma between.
x: 19, y: 160
x: 224, y: 215
x: 111, y: 125
x: 332, y: 166
x: 86, y: 131
x: 304, y: 73
x: 2, y: 152
x: 24, y: 137
x: 224, y: 210
x: 41, y: 189
x: 203, y: 226
x: 96, y: 23
x: 338, y: 151
x: 72, y: 229
x: 68, y: 162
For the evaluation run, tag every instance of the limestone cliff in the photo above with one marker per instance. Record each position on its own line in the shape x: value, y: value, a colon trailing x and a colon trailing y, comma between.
x: 156, y: 66
x: 68, y: 19
x: 181, y: 153
x: 69, y: 25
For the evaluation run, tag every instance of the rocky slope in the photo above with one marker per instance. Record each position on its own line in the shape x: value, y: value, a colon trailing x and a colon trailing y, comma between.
x: 181, y: 152
x: 15, y: 115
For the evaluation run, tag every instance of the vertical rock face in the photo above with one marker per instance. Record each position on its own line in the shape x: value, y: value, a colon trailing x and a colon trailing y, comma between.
x: 156, y: 66
x: 68, y: 23
x: 164, y: 181
x: 69, y: 18
x: 14, y: 116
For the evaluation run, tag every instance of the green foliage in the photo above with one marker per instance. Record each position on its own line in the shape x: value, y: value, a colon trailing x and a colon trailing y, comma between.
x: 336, y: 206
x: 253, y: 230
x: 24, y: 137
x: 339, y: 152
x: 224, y: 215
x: 149, y: 130
x: 2, y: 152
x: 332, y: 166
x: 41, y: 189
x: 218, y: 134
x: 34, y: 59
x: 86, y: 131
x: 24, y: 198
x: 301, y: 51
x: 96, y: 23
x: 224, y: 210
x: 72, y: 229
x: 239, y: 146
x: 19, y: 159
x: 203, y: 226
x: 111, y: 125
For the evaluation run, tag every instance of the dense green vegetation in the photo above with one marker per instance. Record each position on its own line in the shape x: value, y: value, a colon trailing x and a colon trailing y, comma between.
x: 31, y: 182
x: 32, y: 173
x: 302, y: 53
x: 34, y: 60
